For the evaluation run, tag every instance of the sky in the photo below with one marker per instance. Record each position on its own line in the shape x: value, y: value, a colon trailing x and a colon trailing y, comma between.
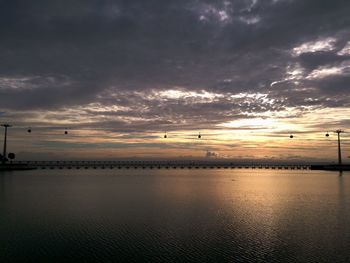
x: 119, y: 74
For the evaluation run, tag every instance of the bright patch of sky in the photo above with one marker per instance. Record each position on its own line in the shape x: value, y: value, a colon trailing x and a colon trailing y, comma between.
x: 175, y: 94
x: 250, y: 123
x: 100, y: 108
x: 325, y: 71
x: 345, y: 51
x: 294, y: 72
x: 326, y: 44
x: 257, y: 97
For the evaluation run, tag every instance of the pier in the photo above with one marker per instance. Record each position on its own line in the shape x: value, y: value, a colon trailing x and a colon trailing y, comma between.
x: 156, y: 165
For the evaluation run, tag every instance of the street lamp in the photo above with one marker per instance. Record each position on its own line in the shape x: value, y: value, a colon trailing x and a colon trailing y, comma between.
x: 5, y: 141
x: 339, y: 148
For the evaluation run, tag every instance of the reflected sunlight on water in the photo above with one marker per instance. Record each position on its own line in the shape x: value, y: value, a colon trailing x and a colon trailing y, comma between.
x: 174, y: 215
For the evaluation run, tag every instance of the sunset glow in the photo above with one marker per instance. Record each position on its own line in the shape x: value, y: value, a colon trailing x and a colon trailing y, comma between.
x: 233, y: 71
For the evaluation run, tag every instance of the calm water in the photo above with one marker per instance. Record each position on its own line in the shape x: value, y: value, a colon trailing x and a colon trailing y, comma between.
x: 174, y: 216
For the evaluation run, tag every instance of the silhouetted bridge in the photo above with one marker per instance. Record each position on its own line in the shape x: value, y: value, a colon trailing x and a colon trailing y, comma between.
x: 158, y: 165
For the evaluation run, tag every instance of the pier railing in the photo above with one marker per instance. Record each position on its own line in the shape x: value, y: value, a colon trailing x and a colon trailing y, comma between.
x: 158, y: 165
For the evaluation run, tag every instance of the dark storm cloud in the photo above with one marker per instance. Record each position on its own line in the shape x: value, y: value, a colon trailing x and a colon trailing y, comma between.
x: 59, y: 55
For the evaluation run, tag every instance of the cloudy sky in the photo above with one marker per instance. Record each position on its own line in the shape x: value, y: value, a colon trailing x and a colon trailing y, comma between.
x: 117, y: 74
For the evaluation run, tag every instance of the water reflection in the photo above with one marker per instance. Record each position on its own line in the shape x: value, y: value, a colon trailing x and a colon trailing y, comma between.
x: 160, y: 215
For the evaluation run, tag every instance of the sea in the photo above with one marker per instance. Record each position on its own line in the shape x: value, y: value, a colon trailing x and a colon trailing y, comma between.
x: 216, y: 215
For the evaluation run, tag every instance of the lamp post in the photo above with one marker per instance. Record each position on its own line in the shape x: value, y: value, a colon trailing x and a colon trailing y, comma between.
x: 339, y: 147
x: 5, y: 141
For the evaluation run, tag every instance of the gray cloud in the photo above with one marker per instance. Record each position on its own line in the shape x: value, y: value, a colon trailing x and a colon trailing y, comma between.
x: 64, y: 55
